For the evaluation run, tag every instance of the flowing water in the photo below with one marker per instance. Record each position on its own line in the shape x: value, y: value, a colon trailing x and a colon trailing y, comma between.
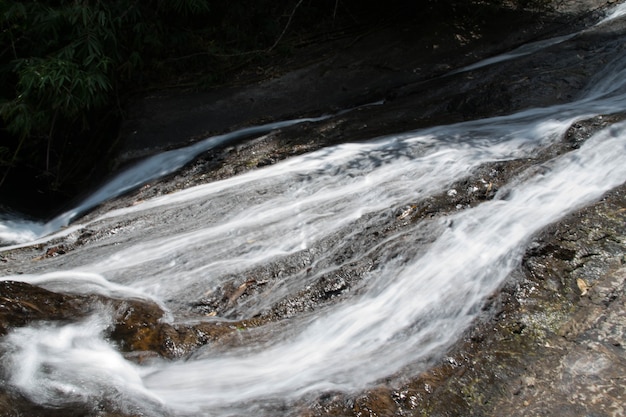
x: 429, y: 284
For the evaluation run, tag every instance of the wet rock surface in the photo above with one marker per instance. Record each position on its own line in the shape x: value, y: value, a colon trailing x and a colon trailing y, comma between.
x: 137, y: 329
x: 386, y: 61
x: 550, y: 342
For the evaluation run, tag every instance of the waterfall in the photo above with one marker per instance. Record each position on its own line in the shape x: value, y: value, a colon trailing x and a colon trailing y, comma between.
x: 427, y: 287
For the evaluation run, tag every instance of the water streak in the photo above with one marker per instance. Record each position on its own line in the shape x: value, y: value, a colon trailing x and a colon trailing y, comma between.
x: 424, y: 304
x: 16, y: 230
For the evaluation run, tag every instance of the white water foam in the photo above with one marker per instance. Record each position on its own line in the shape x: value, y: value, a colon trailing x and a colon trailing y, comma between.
x: 413, y: 309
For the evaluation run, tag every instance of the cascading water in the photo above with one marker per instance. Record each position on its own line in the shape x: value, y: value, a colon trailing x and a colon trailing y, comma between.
x: 157, y: 166
x: 407, y: 308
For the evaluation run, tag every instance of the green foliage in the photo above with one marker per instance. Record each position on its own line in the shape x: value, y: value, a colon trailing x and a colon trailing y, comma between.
x: 55, y: 83
x: 65, y: 61
x: 62, y: 60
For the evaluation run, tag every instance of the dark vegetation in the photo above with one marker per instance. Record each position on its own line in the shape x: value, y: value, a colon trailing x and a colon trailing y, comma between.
x: 67, y: 68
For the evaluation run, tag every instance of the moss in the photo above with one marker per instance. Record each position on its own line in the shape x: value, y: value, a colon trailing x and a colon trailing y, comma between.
x: 545, y: 321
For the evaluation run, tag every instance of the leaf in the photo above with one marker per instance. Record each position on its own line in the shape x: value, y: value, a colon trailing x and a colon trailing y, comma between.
x: 582, y: 286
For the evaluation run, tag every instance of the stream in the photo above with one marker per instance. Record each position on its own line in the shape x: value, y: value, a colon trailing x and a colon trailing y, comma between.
x: 288, y: 225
